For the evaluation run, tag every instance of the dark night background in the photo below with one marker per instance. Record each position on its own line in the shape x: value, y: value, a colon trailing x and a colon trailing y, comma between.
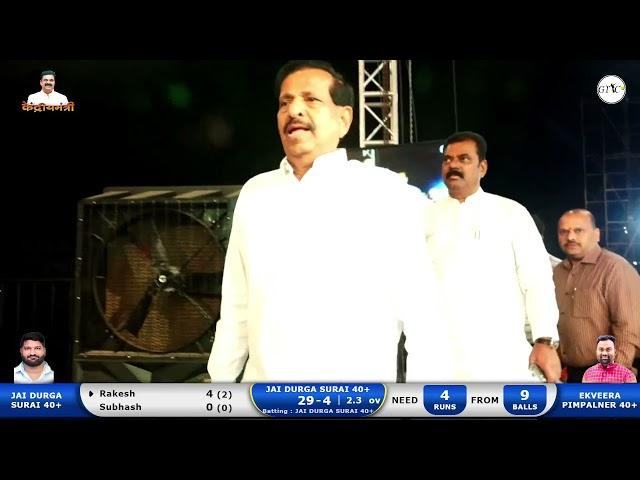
x: 156, y: 122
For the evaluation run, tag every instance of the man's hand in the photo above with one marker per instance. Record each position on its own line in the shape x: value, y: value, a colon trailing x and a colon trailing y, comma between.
x: 546, y: 357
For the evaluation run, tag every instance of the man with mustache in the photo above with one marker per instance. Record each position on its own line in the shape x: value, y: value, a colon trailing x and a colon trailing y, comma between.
x: 326, y: 263
x: 33, y: 368
x: 47, y: 95
x: 606, y: 370
x: 598, y: 293
x: 494, y: 273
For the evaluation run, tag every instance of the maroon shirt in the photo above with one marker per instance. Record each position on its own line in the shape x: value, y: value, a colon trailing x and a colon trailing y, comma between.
x: 600, y: 295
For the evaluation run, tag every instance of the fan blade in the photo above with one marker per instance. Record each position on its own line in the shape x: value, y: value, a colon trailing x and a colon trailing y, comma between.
x: 140, y: 312
x: 146, y: 237
x: 207, y: 284
x: 157, y: 247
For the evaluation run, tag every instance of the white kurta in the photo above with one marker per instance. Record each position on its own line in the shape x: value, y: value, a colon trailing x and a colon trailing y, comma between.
x: 322, y: 275
x: 495, y: 274
x: 54, y: 98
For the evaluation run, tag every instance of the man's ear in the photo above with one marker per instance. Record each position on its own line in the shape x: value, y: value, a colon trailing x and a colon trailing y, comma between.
x: 484, y: 166
x: 346, y: 117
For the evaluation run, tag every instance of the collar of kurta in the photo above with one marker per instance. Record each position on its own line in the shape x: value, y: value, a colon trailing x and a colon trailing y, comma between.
x: 471, y: 199
x: 328, y: 160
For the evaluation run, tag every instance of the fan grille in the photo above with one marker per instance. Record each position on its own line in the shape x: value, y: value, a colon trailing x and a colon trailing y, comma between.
x: 184, y: 251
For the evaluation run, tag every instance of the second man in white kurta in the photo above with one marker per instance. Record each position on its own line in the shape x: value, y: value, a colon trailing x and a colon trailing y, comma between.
x: 494, y: 274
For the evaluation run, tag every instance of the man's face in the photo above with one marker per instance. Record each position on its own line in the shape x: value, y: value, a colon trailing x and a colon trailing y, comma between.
x: 32, y: 353
x: 462, y: 169
x: 47, y: 82
x: 606, y: 352
x: 576, y: 235
x: 309, y: 123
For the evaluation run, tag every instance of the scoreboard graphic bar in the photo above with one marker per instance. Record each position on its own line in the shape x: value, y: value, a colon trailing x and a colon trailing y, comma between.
x: 321, y: 400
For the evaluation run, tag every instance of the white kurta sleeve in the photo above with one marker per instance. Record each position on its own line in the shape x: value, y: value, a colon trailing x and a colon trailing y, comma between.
x: 230, y: 348
x: 418, y: 302
x: 534, y: 275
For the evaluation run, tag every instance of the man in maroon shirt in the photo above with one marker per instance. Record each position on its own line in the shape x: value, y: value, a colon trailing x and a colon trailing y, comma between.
x: 598, y: 293
x: 606, y: 370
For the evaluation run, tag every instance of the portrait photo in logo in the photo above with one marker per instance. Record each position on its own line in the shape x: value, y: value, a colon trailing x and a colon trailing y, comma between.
x: 48, y: 99
x: 611, y: 89
x: 33, y: 368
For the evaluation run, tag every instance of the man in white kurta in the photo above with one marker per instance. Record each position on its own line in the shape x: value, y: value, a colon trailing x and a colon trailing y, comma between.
x: 47, y: 95
x: 494, y: 273
x: 326, y: 262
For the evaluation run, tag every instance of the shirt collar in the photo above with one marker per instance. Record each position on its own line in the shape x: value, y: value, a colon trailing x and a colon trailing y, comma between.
x: 591, y: 257
x: 46, y: 370
x: 608, y: 367
x: 327, y: 160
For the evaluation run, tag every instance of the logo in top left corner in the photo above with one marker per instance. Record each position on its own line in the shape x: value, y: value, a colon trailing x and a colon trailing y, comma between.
x: 48, y: 98
x: 611, y: 89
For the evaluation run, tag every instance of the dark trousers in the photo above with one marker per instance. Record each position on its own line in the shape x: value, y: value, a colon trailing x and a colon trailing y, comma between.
x: 401, y: 376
